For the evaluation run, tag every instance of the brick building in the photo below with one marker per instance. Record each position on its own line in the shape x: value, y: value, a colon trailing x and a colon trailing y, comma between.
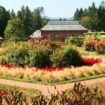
x: 62, y: 29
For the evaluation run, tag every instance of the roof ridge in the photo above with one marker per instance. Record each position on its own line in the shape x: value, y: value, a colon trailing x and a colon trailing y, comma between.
x: 63, y: 23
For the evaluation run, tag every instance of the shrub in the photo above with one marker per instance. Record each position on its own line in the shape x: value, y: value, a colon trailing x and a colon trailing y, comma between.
x: 95, y: 45
x: 66, y: 56
x: 89, y: 47
x: 20, y: 56
x: 40, y: 57
x: 3, y: 60
x: 71, y: 57
x: 57, y: 58
x: 74, y: 41
x: 78, y: 42
x: 101, y: 49
x: 69, y: 40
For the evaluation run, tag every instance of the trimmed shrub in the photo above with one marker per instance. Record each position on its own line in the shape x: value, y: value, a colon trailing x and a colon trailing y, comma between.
x: 66, y: 56
x: 40, y: 57
x: 71, y: 57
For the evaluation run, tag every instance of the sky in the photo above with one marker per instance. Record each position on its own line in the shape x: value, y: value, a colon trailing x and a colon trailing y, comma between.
x: 52, y: 8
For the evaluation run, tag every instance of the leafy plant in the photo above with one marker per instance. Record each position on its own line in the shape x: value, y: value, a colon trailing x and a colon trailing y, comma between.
x: 40, y: 57
x: 71, y: 57
x: 14, y: 98
x: 39, y: 100
x: 79, y: 95
x: 20, y: 56
x: 66, y: 56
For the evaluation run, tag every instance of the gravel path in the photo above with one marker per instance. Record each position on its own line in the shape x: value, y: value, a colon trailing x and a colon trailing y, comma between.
x: 46, y: 89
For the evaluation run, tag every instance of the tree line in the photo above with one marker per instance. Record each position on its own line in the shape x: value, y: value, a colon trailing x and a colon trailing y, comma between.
x: 20, y: 25
x: 92, y: 17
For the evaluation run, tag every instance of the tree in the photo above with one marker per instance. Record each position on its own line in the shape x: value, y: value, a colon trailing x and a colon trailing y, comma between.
x: 37, y: 17
x: 12, y: 14
x: 101, y: 17
x: 15, y: 30
x: 90, y: 17
x: 85, y: 21
x: 76, y: 15
x: 26, y: 16
x: 4, y: 17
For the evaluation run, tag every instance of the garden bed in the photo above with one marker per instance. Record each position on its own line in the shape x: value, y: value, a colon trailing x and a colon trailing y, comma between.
x: 47, y: 64
x: 52, y: 76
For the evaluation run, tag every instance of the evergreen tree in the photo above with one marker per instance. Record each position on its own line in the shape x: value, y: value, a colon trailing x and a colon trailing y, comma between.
x: 4, y: 17
x: 92, y: 17
x: 76, y: 15
x: 101, y: 17
x: 38, y: 18
x: 26, y: 16
x: 12, y: 14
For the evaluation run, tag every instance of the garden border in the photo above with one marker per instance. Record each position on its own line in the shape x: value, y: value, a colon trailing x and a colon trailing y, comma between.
x: 58, y: 83
x: 47, y: 89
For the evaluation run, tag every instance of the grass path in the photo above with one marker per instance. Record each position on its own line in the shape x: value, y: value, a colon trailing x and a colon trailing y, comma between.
x: 46, y: 89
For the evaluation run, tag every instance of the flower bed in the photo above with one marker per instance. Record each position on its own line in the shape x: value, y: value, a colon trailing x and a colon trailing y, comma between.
x: 53, y: 75
x: 86, y: 61
x: 95, y: 45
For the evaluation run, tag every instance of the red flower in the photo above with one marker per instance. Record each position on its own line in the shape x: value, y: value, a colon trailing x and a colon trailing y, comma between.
x: 90, y: 61
x: 37, y: 68
x: 2, y: 93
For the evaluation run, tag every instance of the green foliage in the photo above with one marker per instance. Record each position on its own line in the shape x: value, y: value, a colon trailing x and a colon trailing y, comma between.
x: 70, y: 57
x: 39, y: 100
x: 92, y: 17
x: 74, y: 41
x: 27, y: 19
x: 14, y: 98
x: 79, y: 95
x: 20, y: 56
x: 66, y: 56
x: 89, y: 47
x: 101, y: 16
x: 78, y: 42
x: 57, y: 58
x: 101, y: 49
x: 40, y: 57
x: 37, y: 17
x: 85, y: 21
x: 15, y: 30
x: 69, y: 40
x: 20, y: 25
x: 4, y: 17
x: 3, y: 60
